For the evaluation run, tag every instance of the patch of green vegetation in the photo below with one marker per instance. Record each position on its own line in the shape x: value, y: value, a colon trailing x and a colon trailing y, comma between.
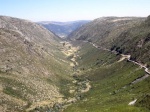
x: 62, y: 70
x: 144, y: 101
x: 15, y: 93
x: 112, y: 89
x: 65, y: 87
x: 91, y: 57
x: 15, y: 88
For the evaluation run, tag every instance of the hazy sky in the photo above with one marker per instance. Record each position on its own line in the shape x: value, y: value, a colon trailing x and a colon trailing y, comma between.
x: 68, y: 10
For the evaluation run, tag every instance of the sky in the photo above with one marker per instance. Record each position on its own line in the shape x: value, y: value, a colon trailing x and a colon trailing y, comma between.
x: 70, y: 10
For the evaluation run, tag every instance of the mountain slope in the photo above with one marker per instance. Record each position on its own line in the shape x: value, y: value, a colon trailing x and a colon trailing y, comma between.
x: 32, y: 65
x: 119, y: 83
x: 104, y: 29
x: 114, y: 82
x: 118, y: 34
x: 93, y: 72
x: 63, y: 29
x: 135, y: 41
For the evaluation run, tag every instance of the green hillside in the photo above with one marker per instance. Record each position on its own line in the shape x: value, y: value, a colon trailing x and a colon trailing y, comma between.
x: 126, y: 35
x: 103, y: 67
x: 112, y: 83
x: 117, y: 83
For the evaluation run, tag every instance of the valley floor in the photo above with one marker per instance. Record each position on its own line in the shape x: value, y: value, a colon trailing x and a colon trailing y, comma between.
x: 101, y: 81
x: 117, y: 84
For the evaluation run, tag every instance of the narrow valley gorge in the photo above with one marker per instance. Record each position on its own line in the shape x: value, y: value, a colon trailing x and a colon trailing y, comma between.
x: 103, y: 66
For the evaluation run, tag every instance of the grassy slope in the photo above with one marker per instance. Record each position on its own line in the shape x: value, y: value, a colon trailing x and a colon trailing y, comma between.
x: 126, y: 35
x: 108, y: 79
x: 32, y: 66
x: 136, y: 44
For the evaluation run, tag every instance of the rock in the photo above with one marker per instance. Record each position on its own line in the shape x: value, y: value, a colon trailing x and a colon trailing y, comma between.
x: 132, y: 102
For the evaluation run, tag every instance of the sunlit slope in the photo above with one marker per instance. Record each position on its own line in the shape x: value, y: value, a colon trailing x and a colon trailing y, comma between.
x: 32, y: 65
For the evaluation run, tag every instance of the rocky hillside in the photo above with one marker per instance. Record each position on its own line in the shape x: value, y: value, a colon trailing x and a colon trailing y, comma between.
x: 63, y: 29
x: 32, y: 65
x: 127, y: 35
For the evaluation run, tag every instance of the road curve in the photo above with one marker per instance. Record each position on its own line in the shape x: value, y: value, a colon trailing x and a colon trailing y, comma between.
x: 128, y: 57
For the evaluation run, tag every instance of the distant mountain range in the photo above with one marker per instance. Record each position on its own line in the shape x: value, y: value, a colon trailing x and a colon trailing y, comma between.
x: 63, y: 29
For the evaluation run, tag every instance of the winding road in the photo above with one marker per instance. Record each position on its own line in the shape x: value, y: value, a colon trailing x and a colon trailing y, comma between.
x: 128, y: 57
x: 123, y: 55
